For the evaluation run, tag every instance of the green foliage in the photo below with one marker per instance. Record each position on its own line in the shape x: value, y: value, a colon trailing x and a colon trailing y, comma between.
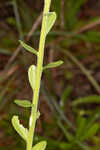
x: 73, y: 8
x: 86, y: 128
x: 81, y: 127
x: 40, y: 146
x: 53, y: 64
x: 32, y: 76
x: 88, y: 99
x: 23, y: 103
x: 83, y: 132
x: 51, y: 18
x: 67, y: 91
x: 28, y: 48
x: 23, y: 132
x: 90, y: 132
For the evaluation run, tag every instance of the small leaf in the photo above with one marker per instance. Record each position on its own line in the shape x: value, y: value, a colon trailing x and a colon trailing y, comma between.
x: 40, y: 146
x: 51, y: 17
x: 23, y: 132
x: 28, y: 48
x: 91, y: 132
x: 53, y: 64
x: 32, y: 76
x: 23, y: 103
x: 38, y: 114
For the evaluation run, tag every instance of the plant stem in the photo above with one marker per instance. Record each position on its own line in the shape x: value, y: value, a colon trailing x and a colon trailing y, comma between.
x: 38, y: 75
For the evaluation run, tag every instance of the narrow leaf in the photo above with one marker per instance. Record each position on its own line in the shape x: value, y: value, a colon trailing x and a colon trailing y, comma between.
x: 65, y: 96
x: 89, y: 99
x: 80, y: 130
x: 53, y: 64
x: 91, y: 132
x: 40, y: 146
x: 28, y: 48
x: 23, y: 103
x: 51, y: 17
x: 23, y: 132
x: 32, y: 75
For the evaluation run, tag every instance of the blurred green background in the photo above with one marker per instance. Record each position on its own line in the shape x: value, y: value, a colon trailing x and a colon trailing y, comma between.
x: 70, y: 95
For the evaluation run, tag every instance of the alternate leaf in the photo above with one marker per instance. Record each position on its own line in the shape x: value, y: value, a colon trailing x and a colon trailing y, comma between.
x: 32, y: 76
x: 23, y: 132
x: 51, y: 17
x: 23, y: 103
x: 53, y: 64
x: 40, y: 146
x: 28, y: 48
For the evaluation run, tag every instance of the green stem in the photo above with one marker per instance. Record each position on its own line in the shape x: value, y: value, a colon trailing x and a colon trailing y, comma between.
x: 38, y: 76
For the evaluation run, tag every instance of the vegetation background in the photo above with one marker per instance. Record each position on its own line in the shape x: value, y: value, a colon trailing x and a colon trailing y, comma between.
x: 70, y: 95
